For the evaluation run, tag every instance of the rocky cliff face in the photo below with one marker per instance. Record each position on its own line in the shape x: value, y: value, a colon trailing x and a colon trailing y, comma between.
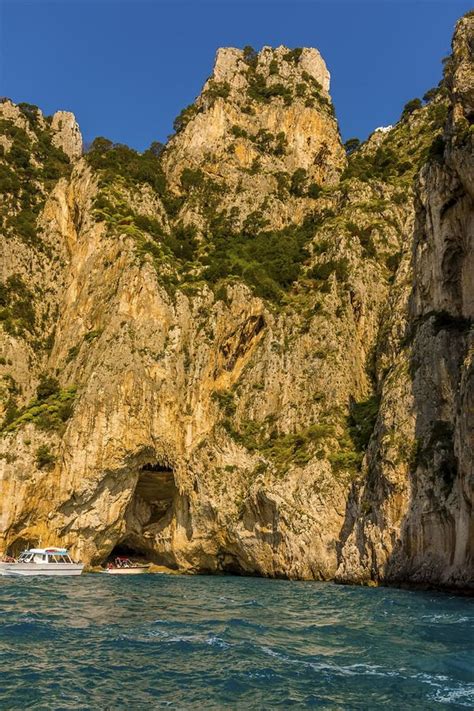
x: 242, y: 352
x: 411, y: 520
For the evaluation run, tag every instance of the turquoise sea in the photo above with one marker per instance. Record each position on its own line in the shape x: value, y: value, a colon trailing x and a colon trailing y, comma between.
x: 177, y: 642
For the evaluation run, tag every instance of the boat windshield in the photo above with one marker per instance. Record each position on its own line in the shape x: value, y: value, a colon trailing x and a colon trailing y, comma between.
x: 59, y: 558
x: 26, y: 557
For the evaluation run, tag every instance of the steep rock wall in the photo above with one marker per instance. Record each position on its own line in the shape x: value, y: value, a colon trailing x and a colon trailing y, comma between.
x: 209, y: 407
x: 411, y: 519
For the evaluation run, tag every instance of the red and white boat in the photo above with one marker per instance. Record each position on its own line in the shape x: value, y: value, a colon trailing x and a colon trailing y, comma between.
x: 124, y: 566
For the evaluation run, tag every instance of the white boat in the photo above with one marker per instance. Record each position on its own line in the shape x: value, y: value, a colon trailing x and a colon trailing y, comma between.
x: 41, y: 561
x: 124, y: 566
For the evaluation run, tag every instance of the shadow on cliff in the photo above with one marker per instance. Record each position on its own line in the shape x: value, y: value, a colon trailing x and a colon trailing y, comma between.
x: 437, y: 533
x: 420, y: 529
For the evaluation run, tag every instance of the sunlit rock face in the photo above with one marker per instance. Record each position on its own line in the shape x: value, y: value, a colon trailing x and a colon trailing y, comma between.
x: 248, y: 353
x: 66, y: 134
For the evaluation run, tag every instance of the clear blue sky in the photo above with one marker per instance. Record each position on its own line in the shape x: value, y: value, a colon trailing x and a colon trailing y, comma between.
x: 127, y: 67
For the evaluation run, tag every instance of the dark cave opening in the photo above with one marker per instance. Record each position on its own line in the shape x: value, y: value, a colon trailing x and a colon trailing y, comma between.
x: 150, y: 510
x: 132, y: 548
x: 22, y: 544
x: 156, y: 488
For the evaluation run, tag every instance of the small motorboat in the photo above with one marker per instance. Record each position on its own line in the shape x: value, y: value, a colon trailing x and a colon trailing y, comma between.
x: 41, y: 561
x: 125, y: 566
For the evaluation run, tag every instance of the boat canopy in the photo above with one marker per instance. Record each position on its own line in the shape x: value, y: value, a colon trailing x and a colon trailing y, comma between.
x: 43, y: 551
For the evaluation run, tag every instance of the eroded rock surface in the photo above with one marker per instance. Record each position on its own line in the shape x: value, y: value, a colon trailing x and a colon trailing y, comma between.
x: 412, y: 519
x: 66, y: 134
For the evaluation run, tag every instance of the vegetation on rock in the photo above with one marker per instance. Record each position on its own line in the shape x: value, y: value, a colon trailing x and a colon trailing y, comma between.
x: 117, y: 160
x: 49, y: 411
x: 29, y: 168
x: 44, y: 457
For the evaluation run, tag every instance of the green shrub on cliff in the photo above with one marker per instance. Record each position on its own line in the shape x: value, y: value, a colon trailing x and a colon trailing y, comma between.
x: 192, y: 179
x: 182, y: 242
x: 48, y: 413
x: 47, y: 387
x: 321, y: 271
x: 165, y: 245
x: 314, y: 190
x: 403, y: 149
x: 184, y: 117
x: 298, y: 182
x: 293, y: 55
x: 431, y: 94
x: 351, y: 145
x: 282, y: 450
x: 44, y: 458
x: 116, y: 159
x: 383, y: 164
x: 238, y: 132
x: 216, y: 90
x: 16, y: 306
x: 150, y: 225
x: 28, y: 170
x: 258, y: 90
x: 250, y: 56
x: 410, y: 107
x: 226, y: 401
x: 273, y: 67
x: 9, y: 182
x: 345, y: 459
x: 268, y: 261
x: 296, y: 448
x: 362, y: 418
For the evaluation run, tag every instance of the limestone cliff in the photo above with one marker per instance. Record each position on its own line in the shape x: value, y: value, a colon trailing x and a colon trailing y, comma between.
x: 412, y: 518
x: 199, y: 340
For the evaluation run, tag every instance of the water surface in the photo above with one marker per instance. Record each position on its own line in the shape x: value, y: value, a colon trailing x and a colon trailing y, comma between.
x: 158, y: 641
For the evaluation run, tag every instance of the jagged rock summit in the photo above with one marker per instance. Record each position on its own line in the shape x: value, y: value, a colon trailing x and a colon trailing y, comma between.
x: 232, y: 63
x: 244, y: 352
x: 260, y: 116
x: 66, y: 134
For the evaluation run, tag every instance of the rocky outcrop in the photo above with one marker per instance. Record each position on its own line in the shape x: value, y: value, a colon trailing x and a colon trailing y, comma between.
x: 259, y: 118
x: 66, y: 134
x: 222, y: 355
x: 412, y: 518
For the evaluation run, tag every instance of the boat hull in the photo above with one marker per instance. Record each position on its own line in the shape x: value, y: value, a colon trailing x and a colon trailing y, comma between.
x: 127, y: 571
x: 37, y: 569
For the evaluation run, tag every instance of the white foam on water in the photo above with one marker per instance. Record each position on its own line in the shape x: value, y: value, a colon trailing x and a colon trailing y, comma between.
x: 217, y: 642
x: 347, y: 670
x: 445, y: 618
x: 463, y: 696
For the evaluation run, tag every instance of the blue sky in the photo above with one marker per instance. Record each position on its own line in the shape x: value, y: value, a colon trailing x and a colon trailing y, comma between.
x: 127, y: 67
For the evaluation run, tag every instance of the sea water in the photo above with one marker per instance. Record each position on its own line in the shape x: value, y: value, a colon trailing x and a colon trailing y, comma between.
x: 159, y: 641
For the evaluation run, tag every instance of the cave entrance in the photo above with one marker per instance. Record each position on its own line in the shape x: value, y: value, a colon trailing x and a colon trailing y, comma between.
x: 156, y: 488
x: 133, y: 548
x: 151, y: 509
x: 22, y: 544
x: 125, y: 548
